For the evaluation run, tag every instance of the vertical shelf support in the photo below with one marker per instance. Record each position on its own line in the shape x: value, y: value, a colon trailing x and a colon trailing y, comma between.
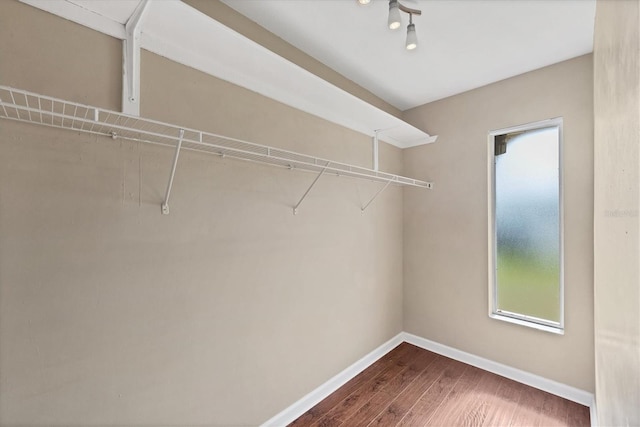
x: 295, y: 208
x: 375, y: 196
x: 375, y: 151
x: 165, y: 204
x: 131, y: 62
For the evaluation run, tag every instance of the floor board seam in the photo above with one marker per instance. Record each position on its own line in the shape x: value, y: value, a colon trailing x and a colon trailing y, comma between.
x: 445, y: 396
x: 418, y: 399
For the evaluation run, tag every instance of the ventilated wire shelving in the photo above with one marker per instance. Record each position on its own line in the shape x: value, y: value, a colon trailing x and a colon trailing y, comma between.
x: 20, y: 105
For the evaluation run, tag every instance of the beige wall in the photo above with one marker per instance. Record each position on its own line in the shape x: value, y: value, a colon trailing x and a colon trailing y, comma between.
x: 617, y: 227
x: 445, y: 234
x: 222, y: 313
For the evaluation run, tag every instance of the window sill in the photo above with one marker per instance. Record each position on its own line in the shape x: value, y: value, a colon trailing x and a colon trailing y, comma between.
x: 546, y: 328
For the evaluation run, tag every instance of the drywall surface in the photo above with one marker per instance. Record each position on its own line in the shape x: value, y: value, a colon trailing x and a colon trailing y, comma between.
x: 223, y: 312
x: 617, y: 232
x: 445, y: 234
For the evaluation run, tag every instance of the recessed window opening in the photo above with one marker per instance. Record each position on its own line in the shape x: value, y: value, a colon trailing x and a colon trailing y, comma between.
x: 526, y: 272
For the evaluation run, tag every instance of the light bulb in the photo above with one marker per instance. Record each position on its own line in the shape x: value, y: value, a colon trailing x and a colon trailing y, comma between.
x: 394, y: 15
x: 412, y: 39
x: 364, y: 2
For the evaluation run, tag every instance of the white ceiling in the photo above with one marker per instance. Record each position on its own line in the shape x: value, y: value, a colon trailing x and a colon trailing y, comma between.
x: 464, y: 44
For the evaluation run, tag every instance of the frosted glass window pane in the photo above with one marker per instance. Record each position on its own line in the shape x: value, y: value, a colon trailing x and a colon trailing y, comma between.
x: 527, y: 209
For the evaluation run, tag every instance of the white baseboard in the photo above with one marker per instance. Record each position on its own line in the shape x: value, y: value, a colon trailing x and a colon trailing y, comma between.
x: 294, y: 411
x: 316, y: 396
x: 570, y: 393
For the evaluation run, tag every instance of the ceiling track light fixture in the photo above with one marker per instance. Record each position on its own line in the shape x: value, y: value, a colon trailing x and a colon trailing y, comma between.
x: 412, y: 38
x: 394, y: 15
x: 394, y: 21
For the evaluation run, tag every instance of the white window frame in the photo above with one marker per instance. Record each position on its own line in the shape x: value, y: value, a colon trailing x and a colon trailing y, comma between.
x: 494, y: 313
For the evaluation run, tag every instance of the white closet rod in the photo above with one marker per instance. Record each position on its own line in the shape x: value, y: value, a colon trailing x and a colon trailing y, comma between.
x: 24, y: 106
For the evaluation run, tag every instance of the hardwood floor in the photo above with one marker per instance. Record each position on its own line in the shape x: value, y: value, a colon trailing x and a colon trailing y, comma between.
x: 410, y: 386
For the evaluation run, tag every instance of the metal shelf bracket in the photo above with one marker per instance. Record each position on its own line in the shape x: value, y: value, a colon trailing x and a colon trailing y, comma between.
x: 295, y: 208
x: 375, y: 196
x: 165, y: 204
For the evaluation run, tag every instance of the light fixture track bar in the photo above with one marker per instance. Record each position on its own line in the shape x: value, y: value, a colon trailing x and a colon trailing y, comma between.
x: 408, y: 10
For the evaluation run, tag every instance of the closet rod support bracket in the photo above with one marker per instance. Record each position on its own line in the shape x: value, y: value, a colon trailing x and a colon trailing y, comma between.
x: 375, y: 196
x: 295, y: 208
x: 165, y: 204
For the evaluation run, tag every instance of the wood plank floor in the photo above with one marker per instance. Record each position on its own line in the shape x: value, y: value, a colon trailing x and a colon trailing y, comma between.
x: 410, y: 386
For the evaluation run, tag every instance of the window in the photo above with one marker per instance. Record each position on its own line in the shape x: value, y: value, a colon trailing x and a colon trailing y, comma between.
x: 525, y: 225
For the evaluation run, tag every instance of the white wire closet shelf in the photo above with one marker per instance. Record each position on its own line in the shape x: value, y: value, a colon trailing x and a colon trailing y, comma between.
x: 24, y: 106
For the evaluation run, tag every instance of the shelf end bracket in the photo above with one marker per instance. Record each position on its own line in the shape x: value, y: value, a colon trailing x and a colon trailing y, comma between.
x: 165, y: 204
